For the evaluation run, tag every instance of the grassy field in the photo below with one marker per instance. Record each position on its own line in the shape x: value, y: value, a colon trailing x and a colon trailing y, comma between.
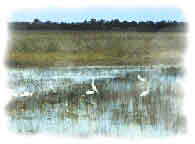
x: 55, y: 48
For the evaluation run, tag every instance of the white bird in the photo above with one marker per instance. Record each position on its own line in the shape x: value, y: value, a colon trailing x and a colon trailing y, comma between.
x: 94, y: 88
x: 26, y: 94
x: 16, y: 94
x: 90, y: 92
x: 146, y: 92
x: 140, y: 78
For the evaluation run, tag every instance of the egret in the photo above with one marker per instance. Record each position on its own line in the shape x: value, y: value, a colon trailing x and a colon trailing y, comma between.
x: 90, y: 92
x: 145, y: 84
x: 94, y: 88
x: 140, y: 78
x: 142, y: 81
x: 146, y: 92
x: 26, y: 94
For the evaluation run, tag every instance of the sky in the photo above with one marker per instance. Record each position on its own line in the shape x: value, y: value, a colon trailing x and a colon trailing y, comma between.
x: 106, y: 13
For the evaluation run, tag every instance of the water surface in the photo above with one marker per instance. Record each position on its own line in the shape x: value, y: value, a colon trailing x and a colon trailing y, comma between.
x: 59, y: 104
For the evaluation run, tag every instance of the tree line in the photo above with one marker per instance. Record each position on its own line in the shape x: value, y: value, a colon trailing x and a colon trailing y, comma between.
x: 102, y: 25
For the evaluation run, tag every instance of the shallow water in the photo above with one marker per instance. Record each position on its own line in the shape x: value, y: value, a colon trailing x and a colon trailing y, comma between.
x: 59, y: 104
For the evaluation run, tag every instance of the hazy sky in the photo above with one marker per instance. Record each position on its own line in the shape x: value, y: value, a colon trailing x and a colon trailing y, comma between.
x: 107, y: 13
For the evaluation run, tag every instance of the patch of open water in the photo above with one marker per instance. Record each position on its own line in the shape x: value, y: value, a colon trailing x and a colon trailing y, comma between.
x: 59, y: 104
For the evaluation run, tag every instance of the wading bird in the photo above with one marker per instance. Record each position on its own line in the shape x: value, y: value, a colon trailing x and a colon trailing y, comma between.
x: 146, y: 92
x: 15, y: 94
x: 145, y: 84
x: 140, y: 78
x: 90, y: 92
x: 26, y: 94
x: 94, y: 88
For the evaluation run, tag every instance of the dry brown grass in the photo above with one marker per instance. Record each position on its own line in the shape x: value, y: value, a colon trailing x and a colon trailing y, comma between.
x: 94, y: 48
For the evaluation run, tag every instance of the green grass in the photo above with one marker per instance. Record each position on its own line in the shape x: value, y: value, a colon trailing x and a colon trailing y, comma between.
x: 26, y: 49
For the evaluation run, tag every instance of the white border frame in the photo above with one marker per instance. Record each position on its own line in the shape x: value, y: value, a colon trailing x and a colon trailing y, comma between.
x: 8, y: 6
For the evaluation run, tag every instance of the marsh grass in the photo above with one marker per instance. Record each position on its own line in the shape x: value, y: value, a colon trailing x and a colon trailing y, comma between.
x: 93, y: 48
x: 159, y: 108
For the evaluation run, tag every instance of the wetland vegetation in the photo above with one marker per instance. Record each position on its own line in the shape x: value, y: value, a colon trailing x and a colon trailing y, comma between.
x: 62, y: 48
x: 59, y: 104
x: 57, y: 68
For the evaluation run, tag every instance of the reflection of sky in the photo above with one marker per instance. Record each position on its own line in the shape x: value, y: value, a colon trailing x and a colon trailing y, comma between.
x: 108, y: 13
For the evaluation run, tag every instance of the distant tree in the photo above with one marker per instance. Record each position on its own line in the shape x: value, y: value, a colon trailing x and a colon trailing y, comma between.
x: 116, y: 21
x: 150, y: 22
x: 85, y: 22
x: 101, y: 21
x: 48, y: 22
x: 93, y: 24
x: 132, y: 24
x: 36, y: 21
x: 92, y: 21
